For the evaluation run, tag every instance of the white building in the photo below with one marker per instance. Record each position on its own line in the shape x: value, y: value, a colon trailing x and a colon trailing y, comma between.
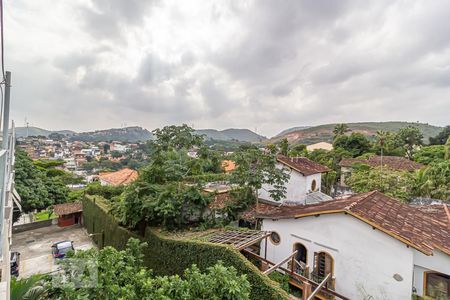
x: 374, y: 246
x: 304, y: 184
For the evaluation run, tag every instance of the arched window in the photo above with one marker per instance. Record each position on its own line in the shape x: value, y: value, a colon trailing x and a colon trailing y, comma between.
x: 313, y: 185
x: 323, y: 265
x: 302, y: 253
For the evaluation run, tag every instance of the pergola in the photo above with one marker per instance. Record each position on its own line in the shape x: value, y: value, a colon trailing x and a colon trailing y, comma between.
x: 239, y: 239
x: 243, y: 239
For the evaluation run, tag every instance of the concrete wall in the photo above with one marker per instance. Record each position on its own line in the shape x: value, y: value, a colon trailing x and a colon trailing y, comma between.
x: 297, y: 187
x: 33, y: 225
x: 365, y: 260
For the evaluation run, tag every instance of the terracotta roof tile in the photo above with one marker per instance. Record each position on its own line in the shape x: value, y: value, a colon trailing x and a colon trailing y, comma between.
x: 123, y: 176
x: 424, y: 228
x: 67, y: 208
x: 302, y: 165
x: 228, y: 165
x: 392, y: 162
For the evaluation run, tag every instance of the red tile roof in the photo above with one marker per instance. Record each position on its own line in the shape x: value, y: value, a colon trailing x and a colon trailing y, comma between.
x: 67, y: 208
x: 415, y: 226
x: 392, y: 162
x: 302, y: 165
x: 123, y: 176
x: 228, y: 165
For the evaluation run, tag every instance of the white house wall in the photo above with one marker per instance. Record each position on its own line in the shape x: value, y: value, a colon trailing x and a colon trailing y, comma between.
x: 438, y: 262
x: 297, y: 187
x: 365, y: 260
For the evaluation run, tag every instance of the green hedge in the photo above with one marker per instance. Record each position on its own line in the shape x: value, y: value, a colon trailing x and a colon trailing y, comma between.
x: 167, y: 256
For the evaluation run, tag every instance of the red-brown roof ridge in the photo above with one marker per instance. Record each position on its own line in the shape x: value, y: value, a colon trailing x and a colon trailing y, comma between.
x: 414, y: 226
x: 302, y: 165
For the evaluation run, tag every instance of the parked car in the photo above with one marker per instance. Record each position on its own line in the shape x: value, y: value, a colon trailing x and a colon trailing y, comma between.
x: 60, y: 249
x: 15, y: 262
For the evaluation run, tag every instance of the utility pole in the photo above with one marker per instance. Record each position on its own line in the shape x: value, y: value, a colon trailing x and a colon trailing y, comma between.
x: 6, y: 110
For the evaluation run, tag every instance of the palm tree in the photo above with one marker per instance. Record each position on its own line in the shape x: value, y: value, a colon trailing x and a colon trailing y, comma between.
x: 30, y: 288
x: 340, y: 129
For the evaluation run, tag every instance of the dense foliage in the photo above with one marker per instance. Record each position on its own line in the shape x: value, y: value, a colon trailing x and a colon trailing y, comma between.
x: 169, y: 256
x: 169, y: 189
x: 397, y: 184
x: 429, y: 154
x: 121, y: 275
x: 36, y: 187
x: 442, y: 137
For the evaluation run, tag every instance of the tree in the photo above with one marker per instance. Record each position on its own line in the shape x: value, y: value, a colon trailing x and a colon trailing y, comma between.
x: 429, y: 154
x: 434, y: 181
x: 447, y: 149
x: 284, y: 147
x: 30, y: 288
x: 397, y: 184
x: 340, y: 129
x: 176, y: 137
x: 116, y: 154
x: 298, y: 150
x: 36, y: 188
x: 386, y: 141
x: 121, y: 275
x: 442, y: 136
x: 409, y: 138
x: 30, y: 183
x: 356, y: 143
x: 255, y: 169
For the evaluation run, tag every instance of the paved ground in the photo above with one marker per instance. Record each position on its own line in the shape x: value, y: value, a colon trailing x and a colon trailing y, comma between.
x: 35, y: 246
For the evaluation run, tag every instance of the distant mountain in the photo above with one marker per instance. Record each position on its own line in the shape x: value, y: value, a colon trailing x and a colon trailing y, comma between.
x: 127, y: 134
x: 35, y: 131
x: 232, y: 134
x: 286, y: 131
x: 324, y: 133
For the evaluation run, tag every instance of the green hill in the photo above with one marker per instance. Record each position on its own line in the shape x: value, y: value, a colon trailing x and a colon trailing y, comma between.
x: 232, y: 134
x: 324, y: 133
x: 36, y: 131
x: 127, y: 134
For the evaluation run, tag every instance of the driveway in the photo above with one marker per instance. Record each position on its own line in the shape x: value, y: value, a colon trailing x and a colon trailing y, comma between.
x: 35, y: 247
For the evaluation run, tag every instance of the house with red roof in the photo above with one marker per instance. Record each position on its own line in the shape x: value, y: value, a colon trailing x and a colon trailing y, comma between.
x: 304, y: 184
x: 121, y: 177
x: 366, y: 246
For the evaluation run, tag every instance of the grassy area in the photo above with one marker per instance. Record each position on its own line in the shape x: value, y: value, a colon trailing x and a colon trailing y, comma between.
x: 43, y: 215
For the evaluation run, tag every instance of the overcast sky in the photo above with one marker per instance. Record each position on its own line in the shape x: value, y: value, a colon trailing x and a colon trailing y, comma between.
x: 263, y: 64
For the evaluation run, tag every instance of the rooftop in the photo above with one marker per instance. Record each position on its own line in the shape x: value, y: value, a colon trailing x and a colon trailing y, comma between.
x: 302, y: 165
x: 123, y: 176
x: 392, y: 162
x: 424, y: 228
x: 67, y: 208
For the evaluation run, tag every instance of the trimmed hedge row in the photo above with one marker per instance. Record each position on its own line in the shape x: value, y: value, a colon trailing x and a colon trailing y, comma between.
x: 167, y: 256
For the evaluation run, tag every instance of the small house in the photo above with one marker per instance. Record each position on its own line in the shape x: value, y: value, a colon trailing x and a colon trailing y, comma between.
x: 69, y: 213
x: 124, y: 176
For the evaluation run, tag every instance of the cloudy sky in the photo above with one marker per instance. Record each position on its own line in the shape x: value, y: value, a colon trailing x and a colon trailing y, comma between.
x: 264, y: 64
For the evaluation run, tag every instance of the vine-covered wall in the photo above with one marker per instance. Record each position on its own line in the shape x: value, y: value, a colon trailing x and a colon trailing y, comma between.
x: 167, y: 256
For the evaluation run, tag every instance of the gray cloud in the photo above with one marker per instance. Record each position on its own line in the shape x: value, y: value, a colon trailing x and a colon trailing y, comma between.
x: 219, y: 64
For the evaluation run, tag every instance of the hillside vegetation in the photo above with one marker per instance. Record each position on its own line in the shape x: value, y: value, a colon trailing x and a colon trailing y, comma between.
x: 324, y: 133
x: 241, y: 135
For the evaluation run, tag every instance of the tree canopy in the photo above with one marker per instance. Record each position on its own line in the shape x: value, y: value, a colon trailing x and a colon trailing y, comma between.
x: 122, y: 275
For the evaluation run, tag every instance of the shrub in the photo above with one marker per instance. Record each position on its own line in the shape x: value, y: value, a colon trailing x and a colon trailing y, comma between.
x: 167, y: 256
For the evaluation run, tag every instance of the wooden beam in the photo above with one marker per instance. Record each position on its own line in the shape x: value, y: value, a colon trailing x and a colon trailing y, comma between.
x: 319, y: 287
x: 280, y: 263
